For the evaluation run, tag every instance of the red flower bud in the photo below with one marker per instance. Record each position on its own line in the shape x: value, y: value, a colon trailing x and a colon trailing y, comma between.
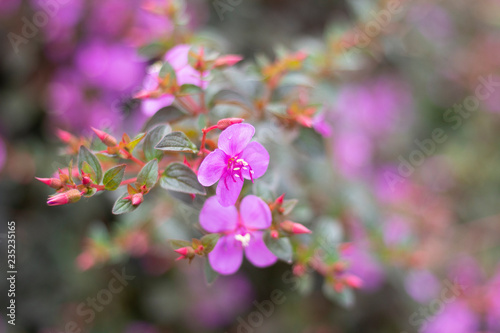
x: 185, y: 252
x: 280, y: 199
x: 294, y: 228
x: 52, y: 182
x: 227, y: 60
x: 64, y: 198
x: 274, y: 234
x: 85, y: 180
x: 64, y: 136
x: 137, y: 199
x: 353, y: 281
x: 226, y: 122
x: 107, y: 139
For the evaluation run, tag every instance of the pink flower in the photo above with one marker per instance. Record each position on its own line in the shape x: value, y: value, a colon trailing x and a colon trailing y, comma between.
x: 241, y: 233
x: 177, y: 57
x: 236, y: 159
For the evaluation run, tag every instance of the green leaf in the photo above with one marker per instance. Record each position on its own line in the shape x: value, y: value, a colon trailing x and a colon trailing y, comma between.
x: 210, y: 274
x: 232, y: 98
x: 113, y: 177
x: 289, y: 205
x: 179, y: 177
x: 176, y: 141
x: 177, y: 244
x: 132, y: 144
x: 149, y: 174
x: 87, y: 169
x: 151, y: 140
x: 90, y: 192
x: 123, y: 206
x: 344, y: 298
x: 209, y: 242
x: 85, y: 155
x: 189, y: 89
x: 165, y: 115
x: 152, y: 50
x: 166, y: 69
x: 281, y: 247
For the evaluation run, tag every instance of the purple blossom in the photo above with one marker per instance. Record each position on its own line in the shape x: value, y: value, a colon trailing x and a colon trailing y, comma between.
x: 241, y: 232
x: 236, y: 159
x: 455, y: 318
x: 422, y: 285
x: 177, y: 57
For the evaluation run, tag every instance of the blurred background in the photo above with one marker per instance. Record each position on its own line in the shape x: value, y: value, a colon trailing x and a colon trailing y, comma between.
x: 405, y: 166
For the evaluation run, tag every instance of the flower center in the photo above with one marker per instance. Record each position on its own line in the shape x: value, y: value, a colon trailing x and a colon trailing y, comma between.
x: 236, y: 166
x: 243, y: 239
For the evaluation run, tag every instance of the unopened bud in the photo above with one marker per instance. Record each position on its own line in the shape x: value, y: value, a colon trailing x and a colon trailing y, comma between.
x: 86, y: 180
x: 107, y: 139
x: 226, y: 122
x: 353, y: 281
x: 70, y: 196
x: 185, y: 252
x: 52, y: 182
x: 227, y: 60
x: 64, y: 136
x: 294, y: 228
x: 274, y: 234
x: 137, y: 199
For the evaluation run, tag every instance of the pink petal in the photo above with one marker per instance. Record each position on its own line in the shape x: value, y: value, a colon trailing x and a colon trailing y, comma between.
x: 255, y: 213
x: 258, y: 253
x: 215, y: 218
x: 257, y: 157
x: 227, y: 255
x: 188, y: 75
x: 228, y: 190
x: 212, y: 167
x: 151, y: 105
x: 177, y: 57
x: 235, y: 138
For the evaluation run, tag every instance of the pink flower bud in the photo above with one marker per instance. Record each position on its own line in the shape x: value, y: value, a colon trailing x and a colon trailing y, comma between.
x: 294, y: 228
x: 107, y: 139
x: 85, y: 180
x: 227, y: 60
x: 64, y: 136
x: 226, y: 122
x: 52, y: 182
x: 274, y: 234
x: 85, y: 261
x: 137, y: 199
x: 64, y: 198
x: 280, y: 199
x: 353, y: 281
x: 185, y: 252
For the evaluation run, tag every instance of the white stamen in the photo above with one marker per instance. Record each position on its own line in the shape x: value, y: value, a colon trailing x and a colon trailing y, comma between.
x: 251, y: 171
x: 236, y: 169
x: 237, y: 176
x: 245, y: 240
x: 242, y: 161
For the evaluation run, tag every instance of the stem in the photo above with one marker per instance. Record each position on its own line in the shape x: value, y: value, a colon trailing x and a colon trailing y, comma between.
x: 204, y: 139
x: 132, y: 158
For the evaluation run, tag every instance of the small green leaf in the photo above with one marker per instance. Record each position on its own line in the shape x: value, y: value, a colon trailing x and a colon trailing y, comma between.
x: 132, y: 144
x: 70, y: 172
x: 232, y: 98
x: 345, y: 298
x: 85, y: 155
x: 281, y: 247
x: 152, y: 50
x: 177, y: 244
x: 210, y: 274
x: 123, y: 206
x: 113, y: 177
x: 179, y: 177
x: 176, y: 141
x: 209, y: 242
x: 151, y: 140
x: 165, y: 115
x: 189, y: 89
x: 149, y: 174
x: 167, y: 69
x: 289, y: 205
x: 87, y: 169
x: 90, y: 192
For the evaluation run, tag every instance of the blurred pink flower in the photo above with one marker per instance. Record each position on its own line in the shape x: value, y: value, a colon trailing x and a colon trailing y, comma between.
x: 422, y: 285
x: 366, y: 267
x: 3, y: 154
x: 456, y: 317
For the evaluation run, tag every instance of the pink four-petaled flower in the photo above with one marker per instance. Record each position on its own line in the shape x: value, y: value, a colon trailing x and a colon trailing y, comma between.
x: 241, y: 232
x: 236, y: 159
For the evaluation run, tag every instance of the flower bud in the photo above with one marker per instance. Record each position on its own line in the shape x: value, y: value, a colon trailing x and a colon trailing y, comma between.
x: 137, y: 199
x: 85, y: 180
x: 227, y: 60
x: 64, y: 198
x: 353, y: 281
x: 52, y: 182
x: 294, y: 228
x: 274, y: 234
x: 226, y: 122
x: 107, y: 139
x: 64, y: 136
x: 185, y: 252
